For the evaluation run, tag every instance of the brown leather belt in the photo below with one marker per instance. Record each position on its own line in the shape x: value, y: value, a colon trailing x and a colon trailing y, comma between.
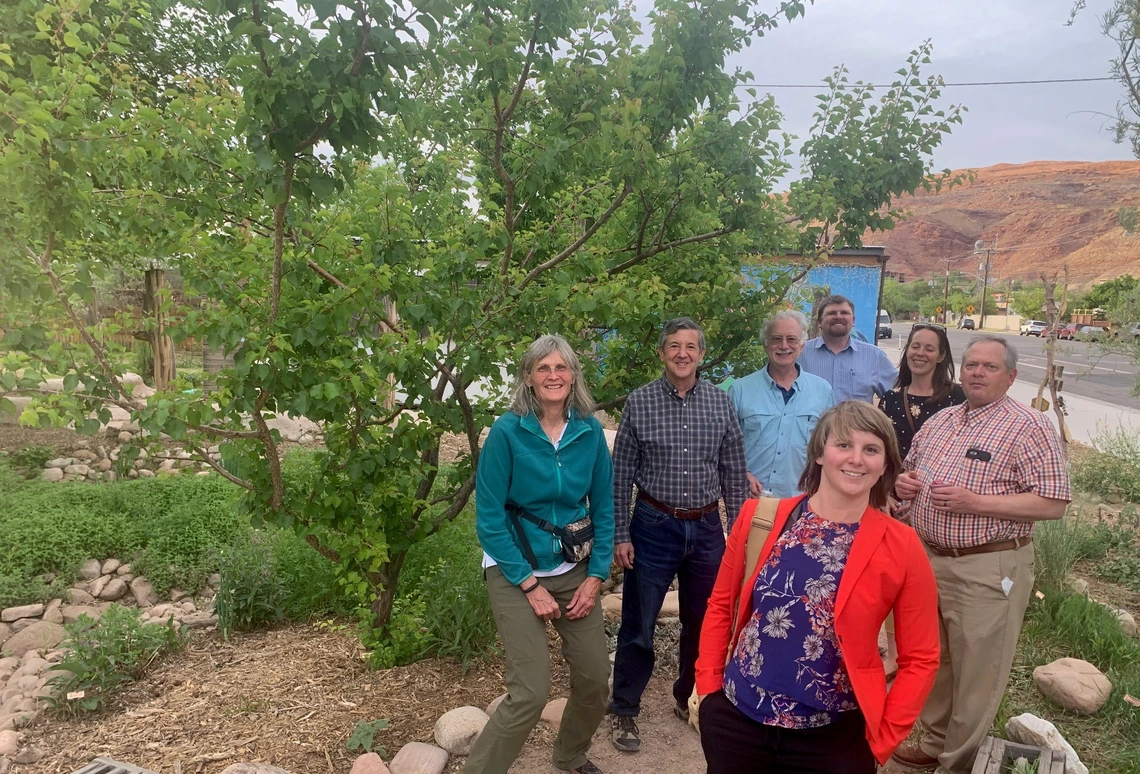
x: 684, y: 514
x: 984, y: 548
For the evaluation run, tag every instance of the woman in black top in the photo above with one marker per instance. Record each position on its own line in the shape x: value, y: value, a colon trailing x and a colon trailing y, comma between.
x: 925, y: 385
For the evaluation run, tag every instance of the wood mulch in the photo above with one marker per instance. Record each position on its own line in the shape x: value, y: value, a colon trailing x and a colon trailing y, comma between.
x: 289, y: 696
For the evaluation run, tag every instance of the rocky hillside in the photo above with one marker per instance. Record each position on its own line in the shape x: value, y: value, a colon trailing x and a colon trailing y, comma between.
x: 1043, y: 214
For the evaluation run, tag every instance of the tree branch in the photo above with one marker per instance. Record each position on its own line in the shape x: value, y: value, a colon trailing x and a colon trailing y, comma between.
x: 668, y: 246
x: 279, y: 243
x: 218, y: 468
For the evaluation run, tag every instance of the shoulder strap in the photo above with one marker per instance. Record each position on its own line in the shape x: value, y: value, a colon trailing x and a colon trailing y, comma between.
x: 524, y: 544
x: 763, y: 519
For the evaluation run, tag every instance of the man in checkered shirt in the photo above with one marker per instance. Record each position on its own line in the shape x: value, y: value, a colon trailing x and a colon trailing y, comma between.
x: 680, y: 443
x: 978, y: 476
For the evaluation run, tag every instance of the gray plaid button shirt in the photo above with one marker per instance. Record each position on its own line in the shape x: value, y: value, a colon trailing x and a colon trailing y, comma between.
x: 685, y: 452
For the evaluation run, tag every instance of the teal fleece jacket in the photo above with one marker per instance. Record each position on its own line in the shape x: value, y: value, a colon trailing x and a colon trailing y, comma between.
x: 520, y: 466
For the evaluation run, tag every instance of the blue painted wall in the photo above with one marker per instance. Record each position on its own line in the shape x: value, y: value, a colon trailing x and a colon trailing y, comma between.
x: 857, y: 282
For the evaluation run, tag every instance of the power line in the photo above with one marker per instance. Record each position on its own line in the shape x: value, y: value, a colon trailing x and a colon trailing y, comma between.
x: 945, y: 85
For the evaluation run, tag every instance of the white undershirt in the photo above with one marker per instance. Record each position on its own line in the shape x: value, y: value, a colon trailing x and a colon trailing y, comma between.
x: 561, y: 569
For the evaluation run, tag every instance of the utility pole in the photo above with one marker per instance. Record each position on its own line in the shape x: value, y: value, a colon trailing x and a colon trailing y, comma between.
x: 986, y: 249
x: 946, y: 292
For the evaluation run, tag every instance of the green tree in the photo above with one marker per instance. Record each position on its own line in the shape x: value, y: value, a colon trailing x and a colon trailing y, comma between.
x: 1029, y: 302
x: 495, y: 173
x: 1108, y: 295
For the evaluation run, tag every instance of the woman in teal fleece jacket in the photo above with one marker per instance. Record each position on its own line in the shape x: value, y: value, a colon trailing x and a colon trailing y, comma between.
x: 547, y: 457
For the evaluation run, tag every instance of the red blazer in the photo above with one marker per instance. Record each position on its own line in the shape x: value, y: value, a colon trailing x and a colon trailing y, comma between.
x: 886, y: 570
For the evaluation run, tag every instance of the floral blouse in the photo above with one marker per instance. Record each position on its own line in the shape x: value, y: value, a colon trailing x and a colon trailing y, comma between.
x: 787, y: 669
x: 895, y: 405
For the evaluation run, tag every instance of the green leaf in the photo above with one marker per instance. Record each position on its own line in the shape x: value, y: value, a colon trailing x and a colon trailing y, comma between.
x: 364, y: 733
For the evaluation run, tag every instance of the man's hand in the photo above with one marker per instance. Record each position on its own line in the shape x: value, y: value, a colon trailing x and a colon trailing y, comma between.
x: 955, y: 499
x: 623, y: 555
x: 754, y: 487
x: 907, y: 486
x: 540, y: 601
x: 584, y: 599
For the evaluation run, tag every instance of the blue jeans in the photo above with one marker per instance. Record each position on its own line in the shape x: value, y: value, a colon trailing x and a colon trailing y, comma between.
x: 663, y: 547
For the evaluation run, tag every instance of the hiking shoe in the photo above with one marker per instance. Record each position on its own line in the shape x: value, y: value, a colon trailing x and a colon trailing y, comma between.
x: 626, y: 736
x: 913, y: 756
x: 681, y: 711
x: 588, y: 768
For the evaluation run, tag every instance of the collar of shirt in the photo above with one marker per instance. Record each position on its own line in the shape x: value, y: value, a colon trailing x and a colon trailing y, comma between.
x: 818, y: 342
x: 974, y: 416
x: 671, y: 389
x: 773, y: 384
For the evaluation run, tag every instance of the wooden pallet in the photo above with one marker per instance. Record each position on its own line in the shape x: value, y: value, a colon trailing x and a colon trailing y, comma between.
x: 996, y: 756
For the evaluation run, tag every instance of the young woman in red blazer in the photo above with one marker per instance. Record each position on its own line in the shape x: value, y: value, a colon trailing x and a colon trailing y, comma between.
x: 790, y: 677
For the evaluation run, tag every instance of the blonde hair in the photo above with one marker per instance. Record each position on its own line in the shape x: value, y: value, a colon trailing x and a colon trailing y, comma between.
x: 852, y: 416
x: 523, y: 400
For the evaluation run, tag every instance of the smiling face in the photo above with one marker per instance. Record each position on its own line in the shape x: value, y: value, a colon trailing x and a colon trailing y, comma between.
x: 836, y: 320
x: 923, y: 353
x: 985, y: 378
x: 851, y: 467
x: 785, y: 343
x: 551, y: 379
x: 682, y: 355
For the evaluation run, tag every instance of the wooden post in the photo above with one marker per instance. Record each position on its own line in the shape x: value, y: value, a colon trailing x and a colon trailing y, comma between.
x: 162, y: 348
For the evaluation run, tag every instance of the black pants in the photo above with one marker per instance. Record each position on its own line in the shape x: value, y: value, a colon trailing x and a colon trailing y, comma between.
x: 736, y: 744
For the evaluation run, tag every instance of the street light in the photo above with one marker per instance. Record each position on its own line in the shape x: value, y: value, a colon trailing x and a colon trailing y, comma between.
x: 985, y: 248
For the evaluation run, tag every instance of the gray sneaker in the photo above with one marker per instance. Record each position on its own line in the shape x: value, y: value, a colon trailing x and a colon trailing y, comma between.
x: 626, y: 736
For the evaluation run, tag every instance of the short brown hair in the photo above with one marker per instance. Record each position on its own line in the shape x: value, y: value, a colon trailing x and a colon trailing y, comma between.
x: 842, y: 420
x: 833, y: 300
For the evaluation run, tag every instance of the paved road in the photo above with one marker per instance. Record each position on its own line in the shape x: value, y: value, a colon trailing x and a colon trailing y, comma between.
x: 1088, y: 373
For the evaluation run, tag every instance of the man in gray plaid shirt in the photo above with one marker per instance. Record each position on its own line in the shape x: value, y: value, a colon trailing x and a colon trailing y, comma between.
x: 680, y: 444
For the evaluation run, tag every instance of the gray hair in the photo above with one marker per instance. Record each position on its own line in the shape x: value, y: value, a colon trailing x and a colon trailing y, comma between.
x: 681, y: 324
x: 523, y: 400
x: 993, y: 338
x: 786, y: 314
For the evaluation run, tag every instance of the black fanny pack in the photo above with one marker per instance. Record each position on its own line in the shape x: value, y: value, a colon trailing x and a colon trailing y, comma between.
x: 575, y: 541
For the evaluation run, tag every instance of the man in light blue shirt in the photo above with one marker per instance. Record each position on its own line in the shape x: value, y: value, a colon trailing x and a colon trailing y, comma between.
x: 778, y: 407
x: 855, y: 369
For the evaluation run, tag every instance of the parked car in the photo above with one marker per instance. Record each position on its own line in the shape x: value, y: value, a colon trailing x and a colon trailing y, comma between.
x: 1069, y: 332
x: 1033, y: 328
x: 884, y: 330
x: 1127, y: 331
x: 1087, y: 332
x: 966, y: 323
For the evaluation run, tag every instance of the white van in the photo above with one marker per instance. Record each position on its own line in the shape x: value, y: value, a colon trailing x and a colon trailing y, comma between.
x: 884, y: 329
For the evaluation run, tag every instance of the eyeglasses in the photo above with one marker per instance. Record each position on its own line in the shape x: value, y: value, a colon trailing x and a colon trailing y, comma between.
x: 928, y: 326
x: 775, y: 341
x: 545, y: 370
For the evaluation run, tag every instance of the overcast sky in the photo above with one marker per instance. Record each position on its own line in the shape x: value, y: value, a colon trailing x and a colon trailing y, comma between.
x: 974, y: 40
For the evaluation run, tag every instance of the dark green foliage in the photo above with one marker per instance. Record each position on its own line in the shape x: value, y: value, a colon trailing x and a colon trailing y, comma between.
x: 102, y: 656
x: 32, y: 457
x: 1106, y: 474
x: 250, y: 594
x: 363, y: 734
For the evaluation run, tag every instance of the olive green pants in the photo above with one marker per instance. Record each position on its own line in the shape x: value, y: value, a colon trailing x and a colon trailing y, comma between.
x: 528, y: 675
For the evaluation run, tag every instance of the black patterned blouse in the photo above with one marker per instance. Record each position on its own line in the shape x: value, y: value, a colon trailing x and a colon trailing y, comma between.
x: 895, y: 406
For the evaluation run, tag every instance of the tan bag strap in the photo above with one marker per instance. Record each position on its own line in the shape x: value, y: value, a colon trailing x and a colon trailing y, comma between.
x: 763, y: 519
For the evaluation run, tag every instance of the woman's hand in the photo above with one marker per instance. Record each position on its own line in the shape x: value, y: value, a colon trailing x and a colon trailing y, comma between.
x: 584, y: 598
x: 540, y: 601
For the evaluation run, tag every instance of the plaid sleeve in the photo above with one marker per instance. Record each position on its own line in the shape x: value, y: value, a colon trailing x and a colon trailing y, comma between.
x: 1041, y: 463
x: 733, y: 467
x: 627, y: 456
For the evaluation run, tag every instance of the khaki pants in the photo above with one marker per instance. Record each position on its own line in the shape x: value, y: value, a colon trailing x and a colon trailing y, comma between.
x: 528, y: 675
x: 979, y: 624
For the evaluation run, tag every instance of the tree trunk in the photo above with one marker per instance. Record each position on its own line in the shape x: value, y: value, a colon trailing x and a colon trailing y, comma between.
x: 162, y: 348
x: 387, y: 580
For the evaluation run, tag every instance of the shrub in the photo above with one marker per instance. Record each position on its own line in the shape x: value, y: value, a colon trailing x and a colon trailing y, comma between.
x: 1112, y: 467
x: 311, y: 582
x: 250, y: 593
x: 102, y: 656
x: 1060, y: 544
x: 32, y: 457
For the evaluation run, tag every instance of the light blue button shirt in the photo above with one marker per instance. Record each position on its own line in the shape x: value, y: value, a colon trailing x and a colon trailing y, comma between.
x: 776, y: 433
x: 859, y: 372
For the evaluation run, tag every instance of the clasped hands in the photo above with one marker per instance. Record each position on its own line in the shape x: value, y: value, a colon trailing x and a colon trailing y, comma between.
x: 943, y: 496
x: 546, y: 608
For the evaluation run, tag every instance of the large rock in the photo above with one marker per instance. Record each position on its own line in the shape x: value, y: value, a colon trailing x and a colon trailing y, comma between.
x: 418, y: 758
x: 252, y: 768
x: 38, y: 636
x: 369, y: 763
x: 99, y: 584
x: 8, y: 615
x: 1032, y: 730
x: 552, y: 713
x: 71, y: 613
x: 9, y: 742
x: 5, y: 632
x: 115, y: 589
x: 1127, y: 623
x: 611, y: 607
x: 52, y: 474
x: 110, y: 566
x: 79, y: 597
x: 457, y: 730
x: 1074, y: 684
x: 16, y: 720
x: 671, y: 607
x: 91, y: 569
x: 143, y: 591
